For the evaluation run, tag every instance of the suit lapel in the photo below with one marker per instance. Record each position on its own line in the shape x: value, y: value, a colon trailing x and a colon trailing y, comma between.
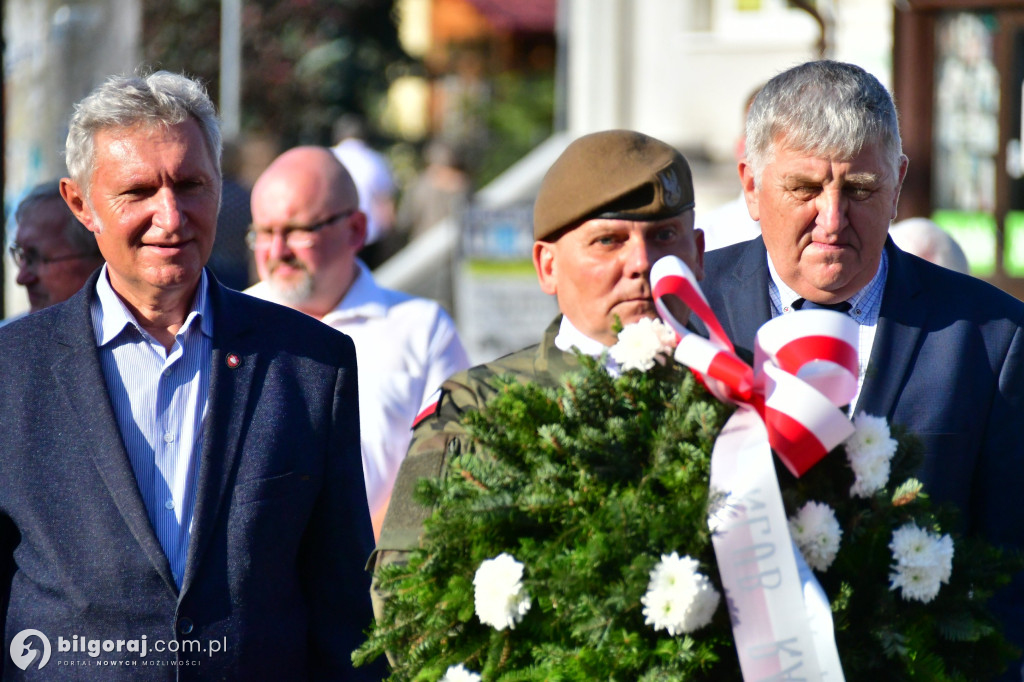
x: 744, y: 296
x: 740, y: 299
x: 231, y: 377
x: 900, y: 323
x: 77, y: 371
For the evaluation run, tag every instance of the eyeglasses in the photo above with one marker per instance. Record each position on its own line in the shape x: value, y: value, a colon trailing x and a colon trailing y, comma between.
x: 295, y: 237
x: 30, y: 258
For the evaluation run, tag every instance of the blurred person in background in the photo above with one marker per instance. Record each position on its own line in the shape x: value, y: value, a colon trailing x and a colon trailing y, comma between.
x: 731, y: 223
x: 307, y: 229
x: 441, y: 190
x: 375, y: 183
x: 54, y: 252
x: 923, y: 238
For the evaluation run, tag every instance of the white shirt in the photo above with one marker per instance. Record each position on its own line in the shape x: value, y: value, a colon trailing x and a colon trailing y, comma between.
x: 372, y: 176
x: 569, y: 337
x: 728, y: 224
x: 405, y: 348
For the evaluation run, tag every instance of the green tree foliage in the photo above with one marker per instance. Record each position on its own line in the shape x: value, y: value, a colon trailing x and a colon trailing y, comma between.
x: 519, y: 116
x: 589, y: 484
x: 304, y: 62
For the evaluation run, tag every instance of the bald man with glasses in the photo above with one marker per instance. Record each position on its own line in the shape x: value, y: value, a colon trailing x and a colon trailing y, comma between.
x: 307, y: 229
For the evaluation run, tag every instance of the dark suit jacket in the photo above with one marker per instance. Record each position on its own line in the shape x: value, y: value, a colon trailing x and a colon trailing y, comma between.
x: 281, y: 529
x: 947, y: 363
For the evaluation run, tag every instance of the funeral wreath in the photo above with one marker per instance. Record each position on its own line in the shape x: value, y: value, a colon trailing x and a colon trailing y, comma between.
x: 572, y: 543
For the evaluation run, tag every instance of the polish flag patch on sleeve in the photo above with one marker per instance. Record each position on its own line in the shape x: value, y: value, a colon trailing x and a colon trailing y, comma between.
x: 429, y: 408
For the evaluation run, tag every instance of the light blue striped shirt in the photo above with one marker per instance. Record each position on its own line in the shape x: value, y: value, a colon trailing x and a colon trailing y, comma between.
x: 160, y: 401
x: 865, y: 306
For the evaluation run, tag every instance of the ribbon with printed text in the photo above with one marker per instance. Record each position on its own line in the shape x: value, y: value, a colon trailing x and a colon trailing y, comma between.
x: 805, y: 370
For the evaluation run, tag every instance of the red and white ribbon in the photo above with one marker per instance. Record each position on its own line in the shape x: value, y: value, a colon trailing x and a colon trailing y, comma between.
x: 805, y: 369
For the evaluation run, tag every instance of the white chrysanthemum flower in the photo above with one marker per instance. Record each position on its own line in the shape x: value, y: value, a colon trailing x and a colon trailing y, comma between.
x: 869, y: 450
x: 816, y: 533
x: 679, y: 599
x: 458, y: 673
x: 923, y: 562
x: 641, y: 343
x: 500, y: 599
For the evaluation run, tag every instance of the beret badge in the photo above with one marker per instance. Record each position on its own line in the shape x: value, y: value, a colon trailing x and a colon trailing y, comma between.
x: 670, y: 188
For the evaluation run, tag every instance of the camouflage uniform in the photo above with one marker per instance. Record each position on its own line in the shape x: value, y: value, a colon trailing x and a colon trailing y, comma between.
x: 441, y: 433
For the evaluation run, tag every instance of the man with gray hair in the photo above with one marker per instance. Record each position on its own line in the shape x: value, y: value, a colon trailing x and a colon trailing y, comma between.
x: 54, y: 252
x: 941, y: 353
x: 181, y: 483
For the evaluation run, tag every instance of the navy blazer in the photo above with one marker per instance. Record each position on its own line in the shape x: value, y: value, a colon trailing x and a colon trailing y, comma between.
x: 281, y: 530
x: 947, y: 363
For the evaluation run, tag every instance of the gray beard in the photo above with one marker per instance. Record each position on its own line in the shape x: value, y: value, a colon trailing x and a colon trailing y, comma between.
x: 291, y: 293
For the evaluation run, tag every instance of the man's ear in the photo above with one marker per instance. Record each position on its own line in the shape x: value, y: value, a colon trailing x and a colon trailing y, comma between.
x: 749, y: 190
x: 901, y: 175
x: 76, y: 201
x: 544, y: 264
x: 357, y: 230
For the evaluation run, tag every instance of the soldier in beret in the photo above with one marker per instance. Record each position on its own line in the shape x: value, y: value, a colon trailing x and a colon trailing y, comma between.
x: 611, y: 205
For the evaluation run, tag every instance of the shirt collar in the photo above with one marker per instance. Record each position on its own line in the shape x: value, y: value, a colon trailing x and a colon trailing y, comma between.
x: 111, y: 316
x: 363, y: 298
x: 570, y: 337
x: 864, y: 305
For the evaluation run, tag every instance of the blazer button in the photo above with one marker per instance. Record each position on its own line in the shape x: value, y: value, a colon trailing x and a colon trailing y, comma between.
x: 185, y: 626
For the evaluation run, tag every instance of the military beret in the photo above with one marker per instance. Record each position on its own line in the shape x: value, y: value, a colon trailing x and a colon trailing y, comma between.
x: 618, y: 174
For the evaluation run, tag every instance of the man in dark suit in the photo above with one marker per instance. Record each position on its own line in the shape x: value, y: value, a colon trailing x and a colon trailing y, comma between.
x: 181, y: 493
x: 823, y: 173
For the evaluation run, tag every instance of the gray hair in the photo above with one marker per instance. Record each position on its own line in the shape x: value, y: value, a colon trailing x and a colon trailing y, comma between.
x: 75, y: 233
x: 824, y: 108
x: 161, y: 98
